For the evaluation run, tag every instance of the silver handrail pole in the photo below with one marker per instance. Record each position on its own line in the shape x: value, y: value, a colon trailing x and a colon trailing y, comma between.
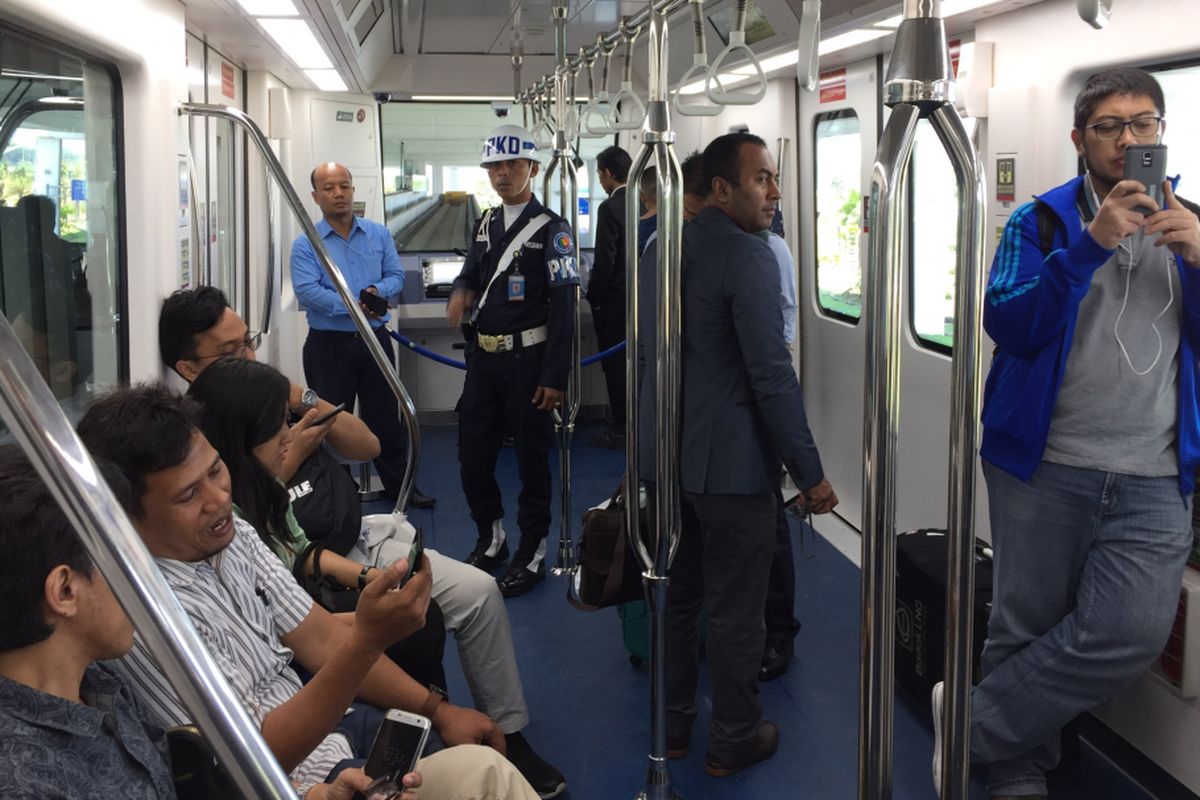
x: 44, y: 433
x: 881, y: 290
x: 562, y: 163
x: 964, y: 450
x: 919, y: 84
x: 663, y: 517
x: 269, y: 291
x: 407, y: 408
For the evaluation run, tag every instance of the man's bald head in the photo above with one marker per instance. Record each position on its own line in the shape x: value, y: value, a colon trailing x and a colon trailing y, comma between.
x: 328, y: 170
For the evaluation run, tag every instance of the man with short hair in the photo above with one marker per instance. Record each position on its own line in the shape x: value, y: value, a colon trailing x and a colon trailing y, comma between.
x: 519, y: 282
x: 1091, y: 439
x: 734, y: 435
x: 337, y: 363
x: 325, y: 503
x: 606, y: 285
x: 255, y: 618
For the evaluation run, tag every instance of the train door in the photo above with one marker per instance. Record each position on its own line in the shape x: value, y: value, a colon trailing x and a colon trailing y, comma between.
x: 218, y: 156
x: 838, y: 131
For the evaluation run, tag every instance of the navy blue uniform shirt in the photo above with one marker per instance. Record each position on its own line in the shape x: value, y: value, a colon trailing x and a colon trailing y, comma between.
x: 547, y: 264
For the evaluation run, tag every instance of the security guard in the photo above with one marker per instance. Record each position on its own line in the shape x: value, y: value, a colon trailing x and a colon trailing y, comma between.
x: 518, y: 283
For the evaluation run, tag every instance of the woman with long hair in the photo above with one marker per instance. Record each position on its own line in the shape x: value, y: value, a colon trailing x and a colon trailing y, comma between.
x: 245, y: 417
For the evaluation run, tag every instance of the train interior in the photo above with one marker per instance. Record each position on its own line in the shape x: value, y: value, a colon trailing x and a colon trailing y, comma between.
x: 117, y: 188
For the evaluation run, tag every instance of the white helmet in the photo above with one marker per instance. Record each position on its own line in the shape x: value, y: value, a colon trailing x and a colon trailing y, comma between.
x: 506, y: 142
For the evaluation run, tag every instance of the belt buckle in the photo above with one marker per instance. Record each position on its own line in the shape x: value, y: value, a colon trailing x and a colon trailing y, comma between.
x: 490, y: 343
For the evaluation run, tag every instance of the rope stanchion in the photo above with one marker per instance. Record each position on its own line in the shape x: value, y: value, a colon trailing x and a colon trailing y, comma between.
x: 619, y: 347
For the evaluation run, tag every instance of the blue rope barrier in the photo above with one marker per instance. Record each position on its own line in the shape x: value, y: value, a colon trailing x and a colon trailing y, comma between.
x: 450, y: 362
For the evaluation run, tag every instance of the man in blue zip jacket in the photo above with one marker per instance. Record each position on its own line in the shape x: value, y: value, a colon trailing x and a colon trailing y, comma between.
x: 1091, y: 439
x: 520, y: 280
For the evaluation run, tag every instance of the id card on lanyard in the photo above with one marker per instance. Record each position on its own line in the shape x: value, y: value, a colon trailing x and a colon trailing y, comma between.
x: 516, y: 282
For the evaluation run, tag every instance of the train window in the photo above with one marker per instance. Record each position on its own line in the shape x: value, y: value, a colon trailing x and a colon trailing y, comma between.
x: 61, y: 282
x: 1183, y: 126
x: 432, y: 178
x: 839, y: 209
x: 934, y: 239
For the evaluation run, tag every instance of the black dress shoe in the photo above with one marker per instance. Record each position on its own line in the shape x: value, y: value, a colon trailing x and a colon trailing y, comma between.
x: 777, y: 656
x: 481, y: 560
x: 519, y: 580
x: 760, y: 748
x: 542, y: 776
x: 419, y: 499
x: 677, y: 746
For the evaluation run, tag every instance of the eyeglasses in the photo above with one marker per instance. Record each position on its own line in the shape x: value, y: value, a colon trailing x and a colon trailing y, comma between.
x: 249, y: 344
x: 1109, y: 129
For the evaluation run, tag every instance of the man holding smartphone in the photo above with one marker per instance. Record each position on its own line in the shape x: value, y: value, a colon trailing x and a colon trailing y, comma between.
x: 337, y: 364
x: 1091, y: 438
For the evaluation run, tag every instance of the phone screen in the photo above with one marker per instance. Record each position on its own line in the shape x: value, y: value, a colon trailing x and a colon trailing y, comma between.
x: 397, y: 747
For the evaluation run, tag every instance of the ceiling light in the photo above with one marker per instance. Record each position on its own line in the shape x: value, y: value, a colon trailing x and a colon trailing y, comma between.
x: 458, y: 98
x: 269, y: 8
x: 849, y: 39
x: 327, y: 80
x: 296, y: 40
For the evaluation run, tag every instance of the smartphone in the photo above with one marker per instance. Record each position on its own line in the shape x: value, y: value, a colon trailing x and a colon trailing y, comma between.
x: 1147, y: 163
x: 333, y: 412
x: 377, y: 304
x: 397, y: 748
x: 414, y: 557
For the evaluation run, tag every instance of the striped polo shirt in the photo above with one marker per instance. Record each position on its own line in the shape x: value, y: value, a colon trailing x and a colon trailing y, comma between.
x: 241, y: 601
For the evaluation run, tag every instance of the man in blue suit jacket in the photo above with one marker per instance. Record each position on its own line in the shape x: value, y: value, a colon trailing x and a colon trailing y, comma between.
x: 743, y: 418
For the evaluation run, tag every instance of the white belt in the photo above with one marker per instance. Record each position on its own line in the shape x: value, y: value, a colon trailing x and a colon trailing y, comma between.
x: 505, y: 342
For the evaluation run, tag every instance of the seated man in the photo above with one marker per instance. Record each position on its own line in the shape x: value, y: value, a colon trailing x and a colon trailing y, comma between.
x: 197, y: 325
x: 255, y: 618
x: 72, y: 727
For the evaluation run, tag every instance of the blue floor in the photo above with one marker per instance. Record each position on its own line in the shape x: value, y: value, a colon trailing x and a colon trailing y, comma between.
x: 589, y: 704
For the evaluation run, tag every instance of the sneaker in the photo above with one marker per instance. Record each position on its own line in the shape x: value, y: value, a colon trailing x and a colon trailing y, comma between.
x: 936, y: 700
x: 542, y: 776
x: 760, y: 748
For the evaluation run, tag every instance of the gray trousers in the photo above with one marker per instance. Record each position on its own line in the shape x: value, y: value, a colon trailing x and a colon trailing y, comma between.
x: 474, y: 613
x: 722, y: 564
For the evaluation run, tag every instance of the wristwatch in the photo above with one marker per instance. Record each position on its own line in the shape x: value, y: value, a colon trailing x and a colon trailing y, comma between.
x: 437, y: 696
x: 308, y: 401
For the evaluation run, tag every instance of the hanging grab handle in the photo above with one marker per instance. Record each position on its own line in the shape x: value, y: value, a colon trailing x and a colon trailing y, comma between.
x: 699, y: 68
x: 620, y: 117
x: 541, y: 121
x: 600, y: 98
x: 808, y: 42
x: 589, y: 107
x: 713, y: 87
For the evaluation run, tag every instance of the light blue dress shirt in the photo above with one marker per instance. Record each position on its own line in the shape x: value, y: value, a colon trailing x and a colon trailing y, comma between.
x: 367, y: 258
x: 787, y: 282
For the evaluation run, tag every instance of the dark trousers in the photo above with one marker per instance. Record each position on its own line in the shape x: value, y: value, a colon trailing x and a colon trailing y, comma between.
x: 721, y: 565
x: 338, y: 366
x: 609, y: 321
x: 780, y: 615
x: 498, y: 397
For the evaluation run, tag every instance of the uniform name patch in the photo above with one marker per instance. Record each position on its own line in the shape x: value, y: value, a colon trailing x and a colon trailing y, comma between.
x: 562, y: 242
x: 562, y: 270
x: 534, y: 245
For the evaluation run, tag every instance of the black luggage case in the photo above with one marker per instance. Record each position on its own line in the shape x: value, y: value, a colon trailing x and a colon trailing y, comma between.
x: 921, y: 609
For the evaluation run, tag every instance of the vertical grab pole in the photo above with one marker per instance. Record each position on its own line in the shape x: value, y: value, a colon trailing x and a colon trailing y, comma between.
x: 563, y: 164
x: 881, y: 288
x: 919, y: 84
x: 964, y: 448
x: 663, y: 517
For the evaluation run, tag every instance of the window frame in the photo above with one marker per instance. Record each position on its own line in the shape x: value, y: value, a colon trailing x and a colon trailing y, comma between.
x: 832, y: 313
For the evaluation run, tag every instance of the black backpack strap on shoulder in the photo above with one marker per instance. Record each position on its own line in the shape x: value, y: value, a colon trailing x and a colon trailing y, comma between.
x: 1046, y: 223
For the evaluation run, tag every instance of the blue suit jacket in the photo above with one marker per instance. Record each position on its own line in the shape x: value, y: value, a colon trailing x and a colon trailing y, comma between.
x: 742, y: 410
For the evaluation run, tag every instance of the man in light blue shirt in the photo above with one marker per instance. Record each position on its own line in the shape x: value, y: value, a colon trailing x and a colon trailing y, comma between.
x: 787, y: 283
x: 337, y: 364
